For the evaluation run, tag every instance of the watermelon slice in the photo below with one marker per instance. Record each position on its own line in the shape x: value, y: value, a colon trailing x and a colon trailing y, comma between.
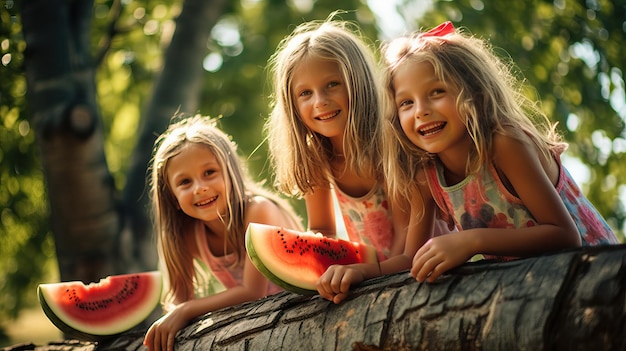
x: 295, y: 260
x: 101, y: 310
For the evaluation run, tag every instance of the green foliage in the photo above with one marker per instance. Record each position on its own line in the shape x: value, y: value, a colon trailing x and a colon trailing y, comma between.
x: 27, y: 251
x: 128, y: 42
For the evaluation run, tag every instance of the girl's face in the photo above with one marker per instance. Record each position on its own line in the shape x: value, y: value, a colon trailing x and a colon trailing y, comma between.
x: 198, y: 183
x: 427, y: 109
x: 321, y: 97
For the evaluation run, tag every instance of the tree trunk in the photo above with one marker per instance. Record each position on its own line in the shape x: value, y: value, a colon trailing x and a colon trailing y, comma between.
x: 64, y: 114
x: 572, y: 300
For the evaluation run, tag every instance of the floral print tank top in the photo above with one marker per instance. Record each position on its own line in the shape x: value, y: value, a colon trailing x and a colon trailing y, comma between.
x: 368, y: 219
x: 484, y: 202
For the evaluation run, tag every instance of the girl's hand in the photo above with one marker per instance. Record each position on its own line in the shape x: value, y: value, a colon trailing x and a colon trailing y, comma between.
x: 162, y: 334
x: 334, y: 284
x: 439, y: 255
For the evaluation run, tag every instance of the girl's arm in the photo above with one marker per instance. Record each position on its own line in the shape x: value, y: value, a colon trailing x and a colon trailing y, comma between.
x: 321, y: 212
x: 162, y: 333
x: 400, y: 218
x: 533, y: 178
x: 335, y: 283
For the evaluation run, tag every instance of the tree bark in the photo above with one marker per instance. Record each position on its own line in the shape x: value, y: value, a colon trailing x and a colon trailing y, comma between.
x: 572, y: 300
x: 65, y: 117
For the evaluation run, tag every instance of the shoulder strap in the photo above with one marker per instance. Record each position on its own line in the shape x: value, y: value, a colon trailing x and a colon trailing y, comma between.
x: 430, y: 170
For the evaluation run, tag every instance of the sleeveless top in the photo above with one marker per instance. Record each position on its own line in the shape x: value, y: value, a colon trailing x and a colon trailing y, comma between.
x: 367, y: 218
x: 219, y: 273
x: 484, y: 202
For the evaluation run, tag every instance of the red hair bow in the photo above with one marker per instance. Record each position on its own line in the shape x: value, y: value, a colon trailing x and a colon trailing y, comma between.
x: 443, y: 29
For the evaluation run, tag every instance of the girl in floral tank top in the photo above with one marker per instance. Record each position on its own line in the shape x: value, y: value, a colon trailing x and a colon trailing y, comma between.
x: 461, y: 138
x: 484, y: 202
x: 324, y: 133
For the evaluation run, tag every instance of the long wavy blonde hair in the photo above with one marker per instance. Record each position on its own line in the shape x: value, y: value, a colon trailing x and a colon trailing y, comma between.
x: 301, y: 157
x: 491, y: 99
x: 172, y: 224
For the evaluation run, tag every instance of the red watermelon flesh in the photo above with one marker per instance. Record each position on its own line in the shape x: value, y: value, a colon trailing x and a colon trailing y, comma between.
x: 295, y: 260
x: 99, y: 310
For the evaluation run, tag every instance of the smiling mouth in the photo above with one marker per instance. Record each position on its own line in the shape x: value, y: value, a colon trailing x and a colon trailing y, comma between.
x: 207, y: 201
x: 328, y: 115
x: 432, y: 129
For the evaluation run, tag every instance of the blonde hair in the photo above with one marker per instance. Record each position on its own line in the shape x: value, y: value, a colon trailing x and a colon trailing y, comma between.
x: 172, y: 224
x: 490, y: 100
x: 298, y: 153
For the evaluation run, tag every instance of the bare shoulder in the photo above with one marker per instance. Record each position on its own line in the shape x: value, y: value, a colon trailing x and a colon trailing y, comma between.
x: 264, y: 210
x: 507, y: 148
x: 260, y: 205
x: 503, y: 144
x: 513, y: 155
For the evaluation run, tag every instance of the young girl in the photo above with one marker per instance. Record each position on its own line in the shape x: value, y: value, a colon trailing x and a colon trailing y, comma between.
x: 461, y: 138
x: 323, y: 133
x: 203, y: 201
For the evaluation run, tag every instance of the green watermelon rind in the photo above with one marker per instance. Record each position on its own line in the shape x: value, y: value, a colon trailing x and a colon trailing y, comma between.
x: 74, y: 333
x: 271, y: 276
x: 66, y: 329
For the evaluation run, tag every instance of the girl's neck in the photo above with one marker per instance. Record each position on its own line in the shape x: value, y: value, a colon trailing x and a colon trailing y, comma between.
x: 348, y: 181
x: 454, y: 167
x: 453, y: 177
x: 215, y: 236
x: 337, y: 144
x: 216, y: 227
x: 455, y: 160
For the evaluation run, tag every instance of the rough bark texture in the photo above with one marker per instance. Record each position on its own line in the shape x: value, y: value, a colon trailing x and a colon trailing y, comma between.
x: 573, y: 300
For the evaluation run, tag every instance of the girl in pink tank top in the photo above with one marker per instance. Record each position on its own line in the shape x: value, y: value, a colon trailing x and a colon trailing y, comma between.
x: 203, y: 202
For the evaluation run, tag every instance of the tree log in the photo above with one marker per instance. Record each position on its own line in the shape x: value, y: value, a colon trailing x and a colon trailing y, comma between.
x: 572, y: 300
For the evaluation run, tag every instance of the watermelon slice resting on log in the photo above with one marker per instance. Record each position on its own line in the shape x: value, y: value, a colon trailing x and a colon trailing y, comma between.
x: 98, y: 311
x: 295, y: 260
